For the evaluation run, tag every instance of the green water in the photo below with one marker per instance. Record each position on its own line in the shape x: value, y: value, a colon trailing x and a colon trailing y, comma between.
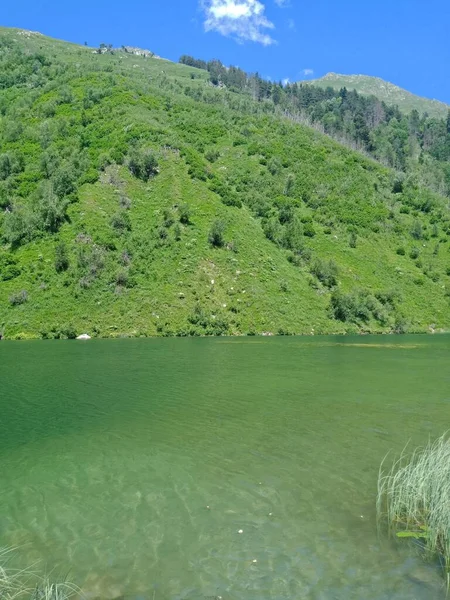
x: 111, y: 452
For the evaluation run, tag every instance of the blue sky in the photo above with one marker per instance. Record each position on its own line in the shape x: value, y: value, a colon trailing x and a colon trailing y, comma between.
x: 403, y: 41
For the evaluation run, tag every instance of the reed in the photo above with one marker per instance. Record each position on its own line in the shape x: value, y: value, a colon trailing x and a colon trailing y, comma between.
x: 16, y: 584
x: 414, y: 498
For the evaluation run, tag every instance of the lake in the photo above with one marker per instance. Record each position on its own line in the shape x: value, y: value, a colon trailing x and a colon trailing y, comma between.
x: 131, y: 466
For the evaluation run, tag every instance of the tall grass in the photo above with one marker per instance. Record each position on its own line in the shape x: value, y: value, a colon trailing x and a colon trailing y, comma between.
x: 24, y: 584
x: 414, y: 498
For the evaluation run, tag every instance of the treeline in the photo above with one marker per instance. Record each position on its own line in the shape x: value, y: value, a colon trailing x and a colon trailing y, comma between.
x: 415, y: 144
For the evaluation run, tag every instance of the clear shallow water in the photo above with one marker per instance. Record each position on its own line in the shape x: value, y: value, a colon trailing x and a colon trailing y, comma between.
x: 111, y: 451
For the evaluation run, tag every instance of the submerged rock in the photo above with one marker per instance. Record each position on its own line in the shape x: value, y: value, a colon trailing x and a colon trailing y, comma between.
x: 84, y: 336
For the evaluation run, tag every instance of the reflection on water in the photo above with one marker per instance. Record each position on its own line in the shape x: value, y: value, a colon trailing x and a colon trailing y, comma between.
x: 133, y: 465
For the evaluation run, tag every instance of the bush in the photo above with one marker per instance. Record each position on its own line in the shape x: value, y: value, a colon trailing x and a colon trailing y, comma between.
x: 349, y: 307
x: 51, y: 209
x: 8, y: 267
x: 309, y: 230
x: 273, y: 230
x: 359, y: 306
x: 18, y: 298
x: 168, y: 219
x: 61, y: 258
x: 91, y: 261
x: 216, y: 234
x: 67, y: 332
x: 414, y: 253
x: 274, y: 165
x: 177, y: 232
x: 121, y: 222
x: 417, y: 230
x: 289, y: 186
x: 184, y: 212
x: 122, y: 278
x: 352, y: 240
x: 19, y: 226
x: 212, y: 155
x: 293, y: 235
x: 142, y: 163
x: 326, y: 272
x: 64, y: 181
x: 401, y: 325
x: 401, y: 251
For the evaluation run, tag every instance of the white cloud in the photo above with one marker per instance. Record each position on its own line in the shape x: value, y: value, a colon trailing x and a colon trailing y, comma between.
x: 282, y: 3
x: 291, y: 24
x: 307, y: 72
x: 285, y: 81
x: 241, y: 19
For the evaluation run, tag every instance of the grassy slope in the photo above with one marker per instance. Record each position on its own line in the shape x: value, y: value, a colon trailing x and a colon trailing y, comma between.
x: 256, y: 289
x: 390, y: 93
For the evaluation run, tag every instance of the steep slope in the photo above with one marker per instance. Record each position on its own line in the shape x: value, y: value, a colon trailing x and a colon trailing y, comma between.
x: 383, y: 90
x: 138, y: 199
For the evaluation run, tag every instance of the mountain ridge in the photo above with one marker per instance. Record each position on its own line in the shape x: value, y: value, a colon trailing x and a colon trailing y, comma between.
x: 383, y: 90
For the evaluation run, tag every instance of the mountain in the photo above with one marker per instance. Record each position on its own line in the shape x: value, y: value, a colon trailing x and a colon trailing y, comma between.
x: 137, y: 199
x: 383, y: 90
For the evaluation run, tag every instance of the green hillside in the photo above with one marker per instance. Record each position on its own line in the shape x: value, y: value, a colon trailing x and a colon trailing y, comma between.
x: 385, y: 91
x: 139, y: 199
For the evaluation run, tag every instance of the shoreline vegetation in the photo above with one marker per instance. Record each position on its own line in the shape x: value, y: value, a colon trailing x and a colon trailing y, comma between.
x: 182, y: 334
x: 414, y: 500
x: 21, y: 584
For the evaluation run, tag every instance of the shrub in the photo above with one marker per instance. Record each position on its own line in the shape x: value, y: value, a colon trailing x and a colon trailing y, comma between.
x: 5, y: 166
x: 142, y: 163
x: 67, y: 332
x: 401, y: 325
x: 18, y: 298
x: 121, y: 222
x: 122, y: 278
x: 197, y: 167
x: 360, y: 306
x: 8, y: 267
x: 168, y: 219
x: 61, y: 258
x: 216, y: 234
x: 401, y: 251
x: 51, y: 209
x: 325, y: 271
x: 163, y: 234
x: 289, y: 185
x: 64, y: 181
x: 417, y: 230
x: 177, y: 232
x: 309, y: 230
x: 352, y: 240
x: 212, y: 155
x: 414, y: 253
x: 293, y: 235
x: 273, y: 230
x: 124, y: 202
x: 19, y: 226
x: 91, y: 261
x: 184, y: 212
x: 274, y: 165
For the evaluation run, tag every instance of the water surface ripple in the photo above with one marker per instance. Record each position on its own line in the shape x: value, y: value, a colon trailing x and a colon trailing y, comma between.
x: 132, y: 465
